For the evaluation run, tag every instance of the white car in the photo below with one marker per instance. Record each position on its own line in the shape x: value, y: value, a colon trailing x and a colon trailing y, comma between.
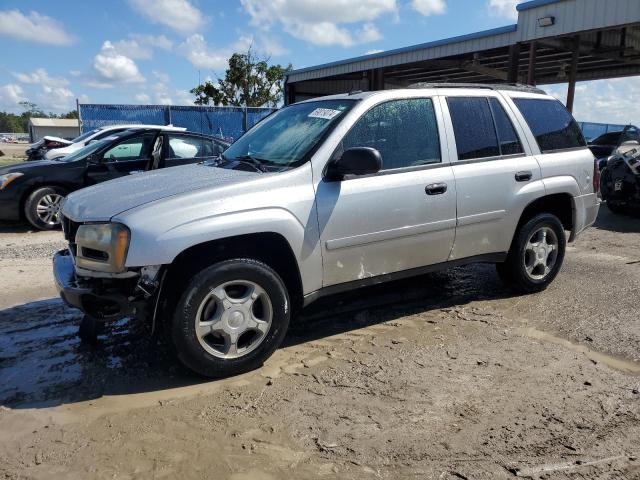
x: 98, y: 134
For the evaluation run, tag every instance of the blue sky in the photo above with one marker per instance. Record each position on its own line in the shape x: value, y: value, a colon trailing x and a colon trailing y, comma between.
x: 150, y: 51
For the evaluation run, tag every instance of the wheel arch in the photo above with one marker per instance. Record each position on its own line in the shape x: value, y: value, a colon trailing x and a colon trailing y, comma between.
x: 271, y: 248
x: 561, y: 204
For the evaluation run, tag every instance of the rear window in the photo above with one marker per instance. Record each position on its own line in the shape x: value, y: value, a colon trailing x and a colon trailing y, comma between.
x: 551, y: 124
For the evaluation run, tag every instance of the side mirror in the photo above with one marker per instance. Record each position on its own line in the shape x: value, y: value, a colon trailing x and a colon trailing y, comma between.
x: 93, y: 160
x: 355, y: 161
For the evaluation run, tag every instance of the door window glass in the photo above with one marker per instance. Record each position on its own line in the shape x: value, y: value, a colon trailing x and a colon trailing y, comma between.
x: 551, y: 124
x: 473, y: 127
x: 405, y: 132
x: 135, y: 148
x: 507, y: 136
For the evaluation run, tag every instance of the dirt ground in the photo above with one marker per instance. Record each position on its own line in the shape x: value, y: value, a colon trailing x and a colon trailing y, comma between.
x: 447, y: 376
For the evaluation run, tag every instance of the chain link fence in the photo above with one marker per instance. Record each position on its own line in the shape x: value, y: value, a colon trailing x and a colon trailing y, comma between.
x: 226, y: 122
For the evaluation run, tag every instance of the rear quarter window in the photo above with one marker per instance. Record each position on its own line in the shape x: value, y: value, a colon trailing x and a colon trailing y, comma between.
x: 551, y: 124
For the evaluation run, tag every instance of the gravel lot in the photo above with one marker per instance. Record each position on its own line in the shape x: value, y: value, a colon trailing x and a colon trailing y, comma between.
x: 444, y: 376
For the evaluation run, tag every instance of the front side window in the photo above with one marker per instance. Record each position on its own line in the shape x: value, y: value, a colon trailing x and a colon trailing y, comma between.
x: 405, y: 132
x: 473, y: 127
x: 551, y: 124
x: 181, y: 146
x: 135, y: 148
x: 285, y: 138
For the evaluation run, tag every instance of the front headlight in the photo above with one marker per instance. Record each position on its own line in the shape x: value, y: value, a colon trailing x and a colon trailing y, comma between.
x: 7, y: 178
x: 102, y: 247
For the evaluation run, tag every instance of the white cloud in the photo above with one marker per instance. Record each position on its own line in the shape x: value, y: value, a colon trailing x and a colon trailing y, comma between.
x: 142, y: 98
x: 179, y: 15
x: 33, y: 28
x: 429, y: 7
x: 114, y: 67
x: 320, y: 22
x: 10, y: 95
x: 603, y: 101
x: 504, y: 8
x: 56, y: 99
x: 41, y: 77
x: 197, y: 51
x: 140, y: 47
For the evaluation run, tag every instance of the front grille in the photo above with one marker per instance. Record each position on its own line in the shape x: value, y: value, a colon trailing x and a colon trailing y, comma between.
x: 70, y: 228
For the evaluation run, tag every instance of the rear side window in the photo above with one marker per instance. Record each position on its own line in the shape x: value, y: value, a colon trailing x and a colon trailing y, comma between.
x: 507, y: 136
x: 551, y: 124
x: 473, y: 127
x: 405, y: 133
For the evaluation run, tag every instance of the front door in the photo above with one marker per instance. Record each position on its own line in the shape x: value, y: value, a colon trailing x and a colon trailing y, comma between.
x: 128, y: 156
x: 404, y: 216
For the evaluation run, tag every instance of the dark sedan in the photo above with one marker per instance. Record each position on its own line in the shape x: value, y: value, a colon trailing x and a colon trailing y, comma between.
x: 33, y: 191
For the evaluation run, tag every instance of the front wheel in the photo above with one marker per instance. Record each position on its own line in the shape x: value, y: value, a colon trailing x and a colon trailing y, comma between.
x: 536, y: 255
x: 42, y: 208
x: 231, y: 318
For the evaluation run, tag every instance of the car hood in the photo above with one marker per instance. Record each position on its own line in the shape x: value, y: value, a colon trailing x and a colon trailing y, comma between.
x: 28, y: 167
x: 103, y: 201
x: 57, y: 139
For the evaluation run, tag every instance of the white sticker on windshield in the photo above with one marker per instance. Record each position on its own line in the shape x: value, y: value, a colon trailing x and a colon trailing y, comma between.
x: 326, y: 113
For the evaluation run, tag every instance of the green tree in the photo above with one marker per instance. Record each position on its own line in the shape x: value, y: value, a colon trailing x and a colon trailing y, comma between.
x: 249, y: 80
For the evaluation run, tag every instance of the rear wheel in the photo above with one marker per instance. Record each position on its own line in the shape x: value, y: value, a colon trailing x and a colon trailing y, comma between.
x: 231, y: 318
x: 42, y: 208
x: 536, y: 255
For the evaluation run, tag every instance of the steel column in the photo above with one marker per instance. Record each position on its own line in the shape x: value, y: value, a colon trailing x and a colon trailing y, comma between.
x: 573, y: 73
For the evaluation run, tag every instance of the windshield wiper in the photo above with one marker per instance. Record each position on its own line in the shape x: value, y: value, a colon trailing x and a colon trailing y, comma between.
x: 250, y: 160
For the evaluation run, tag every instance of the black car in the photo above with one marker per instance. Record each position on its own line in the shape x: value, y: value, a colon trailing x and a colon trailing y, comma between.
x: 604, y: 145
x: 33, y: 191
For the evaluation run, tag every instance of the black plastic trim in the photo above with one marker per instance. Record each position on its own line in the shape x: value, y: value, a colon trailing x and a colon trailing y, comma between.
x: 390, y: 277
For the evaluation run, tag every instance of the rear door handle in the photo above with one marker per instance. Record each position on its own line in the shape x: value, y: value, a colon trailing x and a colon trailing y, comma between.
x: 435, y: 188
x: 523, y: 176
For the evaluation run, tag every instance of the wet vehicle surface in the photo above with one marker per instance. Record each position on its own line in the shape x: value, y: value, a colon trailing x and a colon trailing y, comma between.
x: 446, y: 377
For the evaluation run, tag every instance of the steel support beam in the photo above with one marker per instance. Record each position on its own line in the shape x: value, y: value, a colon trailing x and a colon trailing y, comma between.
x: 531, y: 75
x: 573, y: 73
x: 514, y: 61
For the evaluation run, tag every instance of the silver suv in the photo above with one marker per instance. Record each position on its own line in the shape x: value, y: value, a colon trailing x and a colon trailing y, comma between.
x: 328, y: 195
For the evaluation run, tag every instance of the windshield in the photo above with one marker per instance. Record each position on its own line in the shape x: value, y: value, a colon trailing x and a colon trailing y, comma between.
x: 285, y: 138
x: 86, y: 150
x: 84, y: 136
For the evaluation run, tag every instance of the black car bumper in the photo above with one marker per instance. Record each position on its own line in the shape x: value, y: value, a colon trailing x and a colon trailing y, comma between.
x: 100, y: 299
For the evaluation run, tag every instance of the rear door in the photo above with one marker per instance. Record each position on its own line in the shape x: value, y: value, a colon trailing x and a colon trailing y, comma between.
x: 400, y: 218
x: 496, y: 174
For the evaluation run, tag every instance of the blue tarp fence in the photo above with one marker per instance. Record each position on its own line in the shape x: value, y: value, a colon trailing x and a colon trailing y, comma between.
x: 227, y: 122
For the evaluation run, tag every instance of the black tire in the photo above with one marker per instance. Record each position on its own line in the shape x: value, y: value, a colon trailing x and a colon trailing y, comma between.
x: 513, y: 272
x: 31, y: 205
x: 183, y: 323
x: 90, y: 329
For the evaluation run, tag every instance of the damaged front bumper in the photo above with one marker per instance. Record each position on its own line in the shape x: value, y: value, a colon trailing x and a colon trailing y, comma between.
x: 101, y: 298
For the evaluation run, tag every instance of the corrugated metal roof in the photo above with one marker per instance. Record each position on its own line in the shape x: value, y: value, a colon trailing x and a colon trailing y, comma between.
x: 572, y: 16
x: 535, y: 3
x: 54, y: 122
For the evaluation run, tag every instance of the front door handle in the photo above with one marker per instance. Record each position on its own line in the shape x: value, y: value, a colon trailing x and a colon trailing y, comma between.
x: 435, y: 188
x: 524, y: 176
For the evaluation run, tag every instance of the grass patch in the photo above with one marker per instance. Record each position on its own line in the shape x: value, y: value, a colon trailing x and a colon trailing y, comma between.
x: 10, y: 161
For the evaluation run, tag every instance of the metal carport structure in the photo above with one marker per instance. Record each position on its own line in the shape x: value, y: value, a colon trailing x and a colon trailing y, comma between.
x: 554, y: 41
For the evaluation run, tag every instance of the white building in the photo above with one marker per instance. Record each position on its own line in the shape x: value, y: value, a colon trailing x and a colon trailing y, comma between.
x: 54, y: 127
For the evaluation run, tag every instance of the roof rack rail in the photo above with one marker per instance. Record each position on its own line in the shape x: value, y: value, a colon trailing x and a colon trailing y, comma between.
x: 518, y: 87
